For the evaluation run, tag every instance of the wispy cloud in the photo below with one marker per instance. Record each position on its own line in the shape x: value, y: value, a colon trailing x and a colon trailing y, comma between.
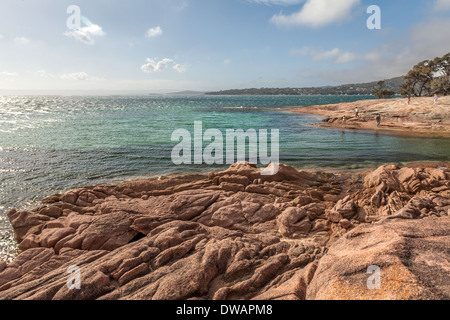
x: 425, y: 41
x: 154, y: 66
x: 44, y: 74
x: 154, y: 32
x: 336, y: 54
x: 277, y: 2
x: 8, y: 74
x: 441, y: 5
x: 180, y: 68
x: 73, y: 76
x: 1, y: 36
x: 391, y: 59
x: 183, y: 4
x: 79, y: 76
x: 21, y: 40
x: 317, y: 13
x: 86, y: 34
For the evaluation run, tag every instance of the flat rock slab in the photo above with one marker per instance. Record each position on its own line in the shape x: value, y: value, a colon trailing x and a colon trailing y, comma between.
x: 413, y: 257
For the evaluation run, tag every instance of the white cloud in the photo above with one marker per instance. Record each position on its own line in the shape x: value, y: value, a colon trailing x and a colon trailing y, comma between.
x: 82, y: 76
x: 180, y: 68
x: 442, y: 5
x: 86, y: 34
x: 336, y: 54
x: 21, y: 40
x: 8, y: 74
x: 1, y: 36
x: 227, y: 61
x: 317, y: 13
x: 277, y: 2
x: 181, y: 6
x: 154, y: 32
x: 345, y: 57
x: 43, y: 74
x: 428, y: 39
x: 153, y: 66
x: 425, y: 41
x: 79, y: 76
x: 391, y: 59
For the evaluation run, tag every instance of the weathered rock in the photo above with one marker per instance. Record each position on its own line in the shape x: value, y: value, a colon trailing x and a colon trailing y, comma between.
x: 421, y: 117
x: 346, y: 208
x: 291, y: 286
x: 384, y: 179
x: 346, y: 224
x: 25, y: 222
x: 52, y: 212
x: 412, y: 256
x: 334, y: 216
x: 235, y: 234
x: 294, y: 223
x: 246, y: 171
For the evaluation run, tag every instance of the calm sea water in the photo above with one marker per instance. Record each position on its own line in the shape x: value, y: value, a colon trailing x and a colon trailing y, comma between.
x: 52, y: 144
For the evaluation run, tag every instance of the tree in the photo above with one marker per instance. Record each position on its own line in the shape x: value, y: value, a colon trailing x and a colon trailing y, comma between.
x: 418, y: 80
x: 441, y: 82
x: 428, y: 77
x: 382, y: 93
x: 442, y: 65
x: 441, y: 85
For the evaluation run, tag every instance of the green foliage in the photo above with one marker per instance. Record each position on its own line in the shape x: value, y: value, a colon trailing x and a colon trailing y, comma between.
x: 441, y: 85
x: 428, y: 77
x: 347, y: 89
x: 384, y: 94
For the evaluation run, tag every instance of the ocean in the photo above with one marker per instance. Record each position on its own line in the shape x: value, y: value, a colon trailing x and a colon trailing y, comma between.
x: 51, y: 144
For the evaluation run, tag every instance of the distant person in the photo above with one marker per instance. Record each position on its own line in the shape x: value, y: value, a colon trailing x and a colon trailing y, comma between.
x: 409, y: 100
x: 378, y: 120
x: 436, y: 98
x: 356, y: 112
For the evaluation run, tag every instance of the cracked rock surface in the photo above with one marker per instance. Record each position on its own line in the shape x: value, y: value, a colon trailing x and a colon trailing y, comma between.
x: 238, y: 234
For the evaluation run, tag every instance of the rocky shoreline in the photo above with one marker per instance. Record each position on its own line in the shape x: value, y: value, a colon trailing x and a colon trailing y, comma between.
x: 420, y: 117
x: 298, y: 235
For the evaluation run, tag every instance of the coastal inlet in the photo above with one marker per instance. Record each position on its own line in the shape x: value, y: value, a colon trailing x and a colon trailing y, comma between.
x: 51, y: 144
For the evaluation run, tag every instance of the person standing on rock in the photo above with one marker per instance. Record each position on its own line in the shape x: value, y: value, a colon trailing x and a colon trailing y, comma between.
x: 356, y: 112
x: 378, y: 118
x: 436, y: 97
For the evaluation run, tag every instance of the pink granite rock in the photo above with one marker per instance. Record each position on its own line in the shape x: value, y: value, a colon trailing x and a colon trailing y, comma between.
x: 237, y: 235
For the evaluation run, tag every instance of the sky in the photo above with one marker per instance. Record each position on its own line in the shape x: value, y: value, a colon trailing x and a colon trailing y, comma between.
x: 206, y: 45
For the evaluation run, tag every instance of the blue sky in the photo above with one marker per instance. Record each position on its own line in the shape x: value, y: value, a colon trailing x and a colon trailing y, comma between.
x: 170, y: 45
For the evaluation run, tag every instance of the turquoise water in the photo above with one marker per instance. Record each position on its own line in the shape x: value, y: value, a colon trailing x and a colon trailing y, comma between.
x: 52, y: 144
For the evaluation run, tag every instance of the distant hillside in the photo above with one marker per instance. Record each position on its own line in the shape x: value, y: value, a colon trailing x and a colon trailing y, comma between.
x: 347, y: 89
x: 187, y: 93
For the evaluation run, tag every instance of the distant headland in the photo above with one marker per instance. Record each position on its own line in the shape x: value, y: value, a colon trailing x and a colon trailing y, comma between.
x: 347, y: 89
